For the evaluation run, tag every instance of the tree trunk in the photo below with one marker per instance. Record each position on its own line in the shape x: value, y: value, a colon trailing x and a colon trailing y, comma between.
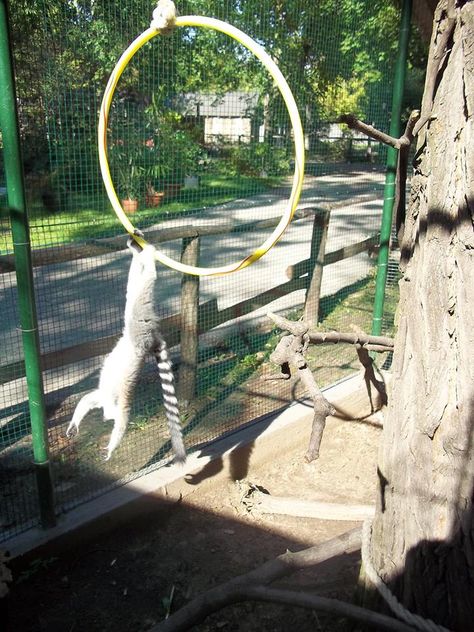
x: 423, y: 532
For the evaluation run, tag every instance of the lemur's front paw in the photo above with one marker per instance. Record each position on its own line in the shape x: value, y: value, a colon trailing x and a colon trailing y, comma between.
x: 132, y: 244
x: 105, y: 454
x: 72, y: 430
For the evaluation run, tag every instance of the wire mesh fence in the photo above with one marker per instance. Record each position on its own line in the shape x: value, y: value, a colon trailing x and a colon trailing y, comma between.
x: 201, y: 154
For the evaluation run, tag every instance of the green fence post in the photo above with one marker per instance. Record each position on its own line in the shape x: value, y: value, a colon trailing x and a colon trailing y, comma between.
x: 24, y: 274
x: 392, y: 156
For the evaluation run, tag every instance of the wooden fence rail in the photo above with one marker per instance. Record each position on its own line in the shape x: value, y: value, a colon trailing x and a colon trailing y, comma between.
x: 194, y: 318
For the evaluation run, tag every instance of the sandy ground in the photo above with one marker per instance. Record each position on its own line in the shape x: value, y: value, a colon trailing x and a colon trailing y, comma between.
x: 123, y: 580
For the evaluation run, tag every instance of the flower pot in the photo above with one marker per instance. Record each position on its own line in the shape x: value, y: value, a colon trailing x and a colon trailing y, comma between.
x: 130, y: 206
x: 154, y: 199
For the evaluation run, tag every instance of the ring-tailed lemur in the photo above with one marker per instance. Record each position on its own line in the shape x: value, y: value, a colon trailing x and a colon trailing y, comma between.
x: 119, y: 375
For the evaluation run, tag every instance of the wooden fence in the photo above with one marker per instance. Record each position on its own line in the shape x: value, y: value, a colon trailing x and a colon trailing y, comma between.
x: 194, y: 319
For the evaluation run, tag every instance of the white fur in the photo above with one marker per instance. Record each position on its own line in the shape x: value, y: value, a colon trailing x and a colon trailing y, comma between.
x: 111, y: 394
x: 121, y: 367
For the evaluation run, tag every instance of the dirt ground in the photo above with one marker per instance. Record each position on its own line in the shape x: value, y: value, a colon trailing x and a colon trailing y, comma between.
x: 128, y: 578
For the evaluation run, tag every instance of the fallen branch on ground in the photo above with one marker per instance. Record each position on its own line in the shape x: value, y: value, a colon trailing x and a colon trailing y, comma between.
x: 199, y: 608
x: 253, y: 586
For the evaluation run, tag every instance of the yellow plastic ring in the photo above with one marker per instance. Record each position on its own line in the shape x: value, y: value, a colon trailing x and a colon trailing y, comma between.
x: 266, y: 60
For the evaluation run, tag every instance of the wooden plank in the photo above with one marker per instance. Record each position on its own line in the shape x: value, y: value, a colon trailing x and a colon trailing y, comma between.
x: 316, y: 264
x: 251, y: 304
x: 303, y: 267
x: 189, y: 323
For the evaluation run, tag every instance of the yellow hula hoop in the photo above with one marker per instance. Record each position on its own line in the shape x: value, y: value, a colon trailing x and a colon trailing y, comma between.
x: 259, y: 52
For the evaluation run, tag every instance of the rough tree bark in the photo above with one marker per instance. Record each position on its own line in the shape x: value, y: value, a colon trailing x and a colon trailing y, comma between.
x: 423, y: 531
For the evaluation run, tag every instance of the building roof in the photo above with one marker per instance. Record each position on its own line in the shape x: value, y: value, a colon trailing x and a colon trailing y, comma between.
x: 230, y: 104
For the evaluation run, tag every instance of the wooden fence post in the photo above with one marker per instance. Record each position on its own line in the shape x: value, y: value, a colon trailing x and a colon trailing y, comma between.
x: 189, y: 323
x: 315, y: 274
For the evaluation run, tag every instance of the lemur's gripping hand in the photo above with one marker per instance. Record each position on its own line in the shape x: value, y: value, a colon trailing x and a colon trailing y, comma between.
x: 132, y: 245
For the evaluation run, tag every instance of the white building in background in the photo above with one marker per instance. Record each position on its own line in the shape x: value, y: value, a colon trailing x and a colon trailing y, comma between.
x: 231, y: 117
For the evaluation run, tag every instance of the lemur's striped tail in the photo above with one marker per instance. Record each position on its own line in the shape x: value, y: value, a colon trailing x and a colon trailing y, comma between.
x: 170, y: 402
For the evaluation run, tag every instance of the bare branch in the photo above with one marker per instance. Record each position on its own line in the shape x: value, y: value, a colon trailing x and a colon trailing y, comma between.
x: 408, y: 135
x: 354, y: 123
x: 360, y: 338
x: 291, y: 350
x: 403, y: 145
x: 216, y: 598
x: 399, y: 204
x: 321, y: 337
x: 322, y: 409
x: 297, y: 328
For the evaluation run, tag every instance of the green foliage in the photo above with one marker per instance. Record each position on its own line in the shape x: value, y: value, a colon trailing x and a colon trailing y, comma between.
x: 171, y: 151
x: 127, y: 153
x: 255, y: 159
x: 334, y: 54
x: 342, y: 97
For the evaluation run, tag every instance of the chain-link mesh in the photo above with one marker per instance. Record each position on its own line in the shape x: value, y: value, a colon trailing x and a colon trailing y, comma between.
x: 201, y: 151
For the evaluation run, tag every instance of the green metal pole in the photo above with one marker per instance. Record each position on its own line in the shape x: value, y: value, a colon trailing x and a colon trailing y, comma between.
x: 24, y: 273
x: 390, y: 177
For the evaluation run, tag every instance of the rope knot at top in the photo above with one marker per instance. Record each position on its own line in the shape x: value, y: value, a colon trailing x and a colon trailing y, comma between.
x: 164, y: 16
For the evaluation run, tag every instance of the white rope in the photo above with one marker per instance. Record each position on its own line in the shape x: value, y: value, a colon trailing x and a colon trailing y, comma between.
x: 395, y: 606
x: 164, y: 16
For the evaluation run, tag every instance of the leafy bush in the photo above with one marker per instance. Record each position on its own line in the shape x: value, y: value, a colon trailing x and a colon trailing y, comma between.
x: 255, y: 159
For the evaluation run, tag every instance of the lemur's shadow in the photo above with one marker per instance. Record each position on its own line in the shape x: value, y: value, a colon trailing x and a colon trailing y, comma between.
x: 237, y: 451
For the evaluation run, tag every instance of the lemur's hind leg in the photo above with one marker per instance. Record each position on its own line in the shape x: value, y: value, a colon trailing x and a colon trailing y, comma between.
x: 86, y: 403
x: 121, y: 419
x: 124, y: 403
x: 118, y: 431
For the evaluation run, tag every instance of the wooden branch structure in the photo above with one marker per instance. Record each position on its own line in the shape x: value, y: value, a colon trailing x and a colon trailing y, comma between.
x: 290, y: 351
x: 254, y: 586
x: 359, y: 339
x: 402, y: 144
x: 353, y: 122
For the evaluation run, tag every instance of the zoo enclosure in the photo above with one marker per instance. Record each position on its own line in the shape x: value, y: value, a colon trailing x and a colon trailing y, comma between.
x: 252, y: 165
